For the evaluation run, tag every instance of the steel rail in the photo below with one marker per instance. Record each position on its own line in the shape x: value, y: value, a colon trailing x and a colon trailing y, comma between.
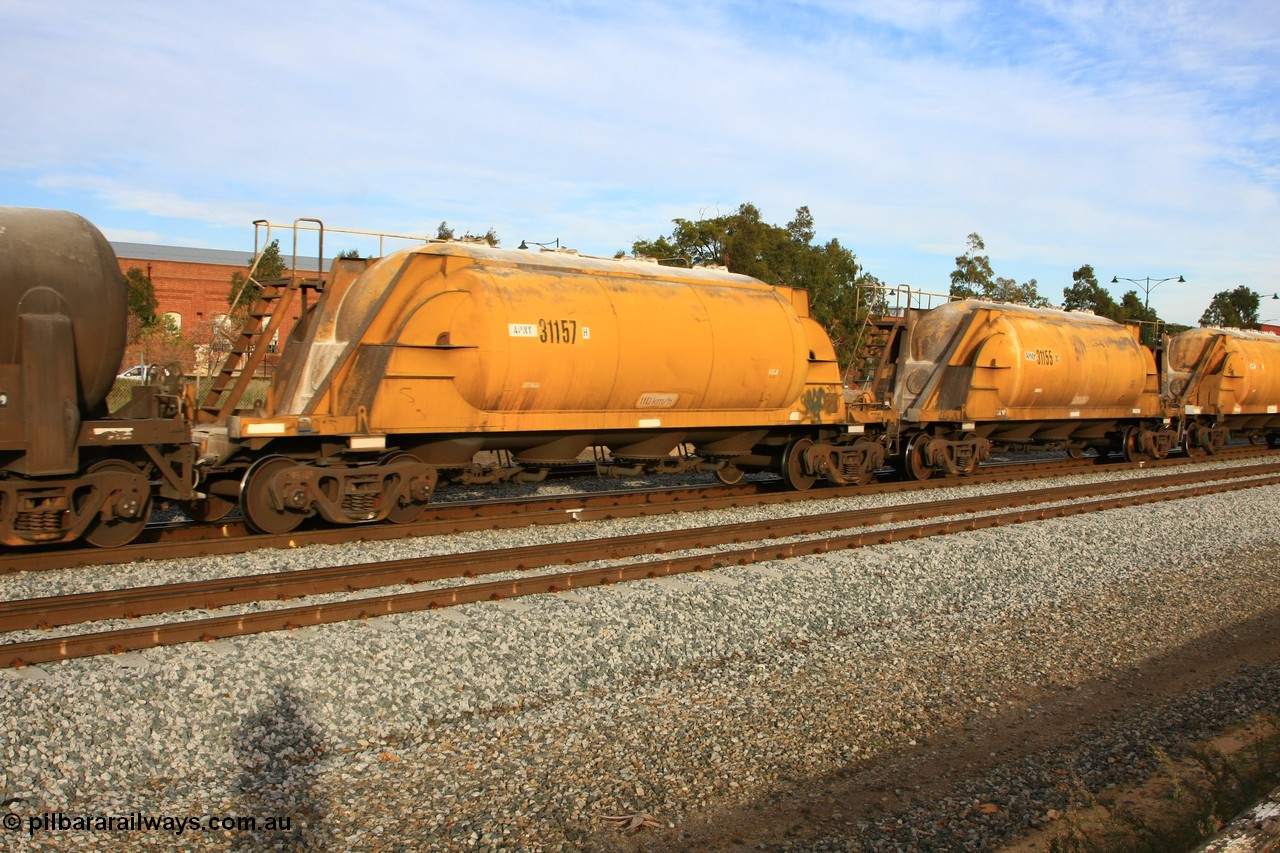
x: 61, y: 648
x: 168, y: 542
x: 232, y: 537
x: 207, y: 594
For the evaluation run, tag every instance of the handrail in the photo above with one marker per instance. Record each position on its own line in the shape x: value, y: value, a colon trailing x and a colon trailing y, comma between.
x: 897, y: 298
x: 220, y: 329
x: 257, y: 259
x: 382, y: 236
x: 223, y: 332
x: 319, y: 251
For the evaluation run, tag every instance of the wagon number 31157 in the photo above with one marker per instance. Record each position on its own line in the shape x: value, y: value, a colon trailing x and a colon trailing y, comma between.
x: 558, y: 331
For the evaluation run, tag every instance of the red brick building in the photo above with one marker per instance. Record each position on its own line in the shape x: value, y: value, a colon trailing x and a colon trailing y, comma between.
x: 191, y: 285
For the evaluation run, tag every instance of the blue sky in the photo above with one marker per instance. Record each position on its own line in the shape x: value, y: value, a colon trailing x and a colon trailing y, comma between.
x: 1142, y: 138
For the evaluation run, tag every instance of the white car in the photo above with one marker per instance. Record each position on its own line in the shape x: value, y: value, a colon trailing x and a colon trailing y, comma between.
x: 138, y: 372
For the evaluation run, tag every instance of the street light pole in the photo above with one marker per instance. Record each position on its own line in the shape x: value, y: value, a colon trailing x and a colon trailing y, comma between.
x: 1147, y: 286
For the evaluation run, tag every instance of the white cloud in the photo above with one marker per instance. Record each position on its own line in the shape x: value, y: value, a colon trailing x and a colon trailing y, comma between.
x: 153, y: 202
x: 1121, y: 134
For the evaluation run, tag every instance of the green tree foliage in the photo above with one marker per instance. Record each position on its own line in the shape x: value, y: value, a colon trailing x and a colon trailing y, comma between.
x: 446, y: 232
x: 1086, y: 294
x: 151, y: 338
x: 1237, y: 309
x: 744, y: 243
x: 973, y: 278
x: 245, y: 291
x: 1008, y: 290
x: 141, y: 296
x: 1132, y: 309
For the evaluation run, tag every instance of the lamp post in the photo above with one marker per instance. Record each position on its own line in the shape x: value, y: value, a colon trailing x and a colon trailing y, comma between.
x: 1148, y: 285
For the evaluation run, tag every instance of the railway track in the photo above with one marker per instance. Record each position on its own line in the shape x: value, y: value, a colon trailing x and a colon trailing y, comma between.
x: 803, y: 535
x: 172, y: 541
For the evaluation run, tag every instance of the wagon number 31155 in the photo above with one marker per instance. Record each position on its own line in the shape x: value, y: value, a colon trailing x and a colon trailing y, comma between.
x: 558, y: 331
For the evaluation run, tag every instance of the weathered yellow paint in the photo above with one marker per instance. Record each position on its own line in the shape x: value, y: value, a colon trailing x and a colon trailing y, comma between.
x: 1225, y: 371
x: 459, y: 338
x: 984, y: 361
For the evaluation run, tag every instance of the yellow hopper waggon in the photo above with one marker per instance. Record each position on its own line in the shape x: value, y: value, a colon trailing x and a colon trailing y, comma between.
x: 411, y: 368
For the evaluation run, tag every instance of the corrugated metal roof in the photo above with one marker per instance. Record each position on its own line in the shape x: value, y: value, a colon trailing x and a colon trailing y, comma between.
x: 148, y: 252
x: 183, y: 254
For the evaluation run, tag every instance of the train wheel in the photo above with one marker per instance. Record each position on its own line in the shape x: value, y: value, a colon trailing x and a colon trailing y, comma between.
x: 116, y: 531
x: 208, y: 509
x: 1211, y: 447
x: 256, y: 504
x: 1133, y: 447
x: 913, y: 458
x: 405, y: 513
x: 1191, y: 442
x: 793, y: 468
x: 1076, y: 451
x: 730, y: 475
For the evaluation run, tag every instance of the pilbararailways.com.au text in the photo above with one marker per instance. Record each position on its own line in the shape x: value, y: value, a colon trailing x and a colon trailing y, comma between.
x: 140, y: 822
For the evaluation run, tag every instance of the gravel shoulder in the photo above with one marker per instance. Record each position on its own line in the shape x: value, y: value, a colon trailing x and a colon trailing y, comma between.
x: 996, y: 776
x: 872, y: 700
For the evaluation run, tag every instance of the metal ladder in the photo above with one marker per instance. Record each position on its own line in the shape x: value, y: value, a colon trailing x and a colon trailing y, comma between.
x: 870, y: 369
x: 262, y: 321
x: 873, y: 366
x: 249, y: 348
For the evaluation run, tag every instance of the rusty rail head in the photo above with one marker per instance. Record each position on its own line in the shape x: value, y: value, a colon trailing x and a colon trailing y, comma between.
x: 14, y: 615
x: 231, y: 537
